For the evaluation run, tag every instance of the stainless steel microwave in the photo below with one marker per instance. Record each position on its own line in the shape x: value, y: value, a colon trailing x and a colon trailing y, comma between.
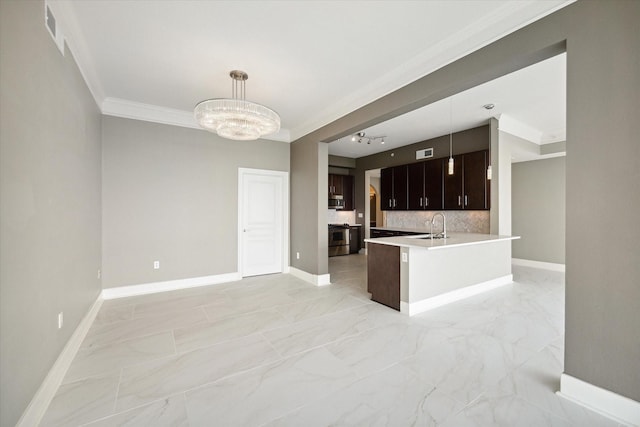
x: 336, y: 201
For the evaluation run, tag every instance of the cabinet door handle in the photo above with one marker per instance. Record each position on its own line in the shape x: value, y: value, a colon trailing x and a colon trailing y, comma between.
x: 389, y: 202
x: 394, y: 203
x: 426, y: 201
x: 466, y: 200
x: 459, y: 201
x: 420, y: 201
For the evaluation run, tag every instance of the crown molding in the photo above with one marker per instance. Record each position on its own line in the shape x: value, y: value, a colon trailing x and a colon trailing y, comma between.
x: 515, y: 127
x: 169, y: 116
x: 147, y: 112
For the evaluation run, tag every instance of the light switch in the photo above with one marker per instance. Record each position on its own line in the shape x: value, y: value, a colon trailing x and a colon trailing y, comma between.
x: 404, y: 257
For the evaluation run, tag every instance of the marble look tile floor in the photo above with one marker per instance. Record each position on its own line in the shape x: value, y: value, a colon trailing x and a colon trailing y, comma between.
x: 276, y: 351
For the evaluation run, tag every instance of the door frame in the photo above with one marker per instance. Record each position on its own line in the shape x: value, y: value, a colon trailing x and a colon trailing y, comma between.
x: 367, y: 210
x: 242, y: 172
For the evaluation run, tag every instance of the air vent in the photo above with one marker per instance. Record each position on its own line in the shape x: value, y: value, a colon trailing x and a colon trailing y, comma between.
x: 53, y: 27
x: 51, y: 22
x: 425, y: 153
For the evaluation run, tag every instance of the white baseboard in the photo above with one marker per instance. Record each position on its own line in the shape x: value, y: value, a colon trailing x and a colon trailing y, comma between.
x: 315, y: 279
x: 41, y: 400
x: 605, y: 402
x: 538, y: 264
x: 170, y: 285
x: 453, y: 296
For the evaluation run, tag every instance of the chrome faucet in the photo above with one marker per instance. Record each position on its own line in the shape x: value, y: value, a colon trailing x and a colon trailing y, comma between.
x: 444, y: 225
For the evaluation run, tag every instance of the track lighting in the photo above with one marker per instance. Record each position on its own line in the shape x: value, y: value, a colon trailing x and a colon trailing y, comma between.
x: 361, y: 137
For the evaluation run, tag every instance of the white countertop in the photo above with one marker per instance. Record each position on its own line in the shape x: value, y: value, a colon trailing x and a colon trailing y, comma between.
x: 453, y: 240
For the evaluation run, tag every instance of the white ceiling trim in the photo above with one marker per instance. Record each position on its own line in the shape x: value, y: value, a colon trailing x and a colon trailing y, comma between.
x: 169, y: 116
x: 540, y: 157
x: 66, y: 20
x: 517, y: 128
x: 150, y: 113
x: 555, y: 135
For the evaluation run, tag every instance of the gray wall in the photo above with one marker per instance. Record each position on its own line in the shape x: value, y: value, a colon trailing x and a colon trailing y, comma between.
x: 602, y: 344
x: 309, y: 183
x: 171, y: 194
x: 49, y: 202
x: 538, y: 209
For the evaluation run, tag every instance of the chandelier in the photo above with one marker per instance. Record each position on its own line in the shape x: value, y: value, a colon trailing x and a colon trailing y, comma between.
x: 235, y: 118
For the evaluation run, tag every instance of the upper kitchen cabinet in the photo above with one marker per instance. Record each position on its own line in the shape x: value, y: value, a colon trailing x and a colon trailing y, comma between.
x: 348, y: 193
x: 468, y: 187
x: 335, y: 184
x: 341, y: 192
x: 393, y: 188
x: 425, y: 187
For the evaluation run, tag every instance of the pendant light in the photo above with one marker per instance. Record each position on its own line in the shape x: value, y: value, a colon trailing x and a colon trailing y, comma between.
x: 235, y: 118
x: 450, y: 169
x: 489, y: 107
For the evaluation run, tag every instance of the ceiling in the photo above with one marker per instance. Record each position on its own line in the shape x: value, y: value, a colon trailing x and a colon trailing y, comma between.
x: 529, y: 103
x: 311, y: 61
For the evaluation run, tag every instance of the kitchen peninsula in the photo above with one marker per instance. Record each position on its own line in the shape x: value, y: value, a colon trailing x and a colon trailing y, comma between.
x: 415, y: 273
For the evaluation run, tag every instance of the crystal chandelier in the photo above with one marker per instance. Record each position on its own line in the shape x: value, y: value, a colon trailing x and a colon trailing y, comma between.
x: 237, y: 118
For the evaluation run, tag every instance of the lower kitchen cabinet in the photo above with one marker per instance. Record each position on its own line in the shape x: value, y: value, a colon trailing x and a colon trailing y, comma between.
x: 354, y: 240
x: 383, y: 274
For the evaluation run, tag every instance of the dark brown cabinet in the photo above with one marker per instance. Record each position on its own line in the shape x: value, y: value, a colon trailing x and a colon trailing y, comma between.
x: 354, y: 240
x: 383, y: 274
x: 453, y: 183
x: 348, y: 193
x: 425, y: 186
x: 342, y: 185
x: 335, y: 184
x: 468, y: 187
x: 393, y: 188
x: 476, y: 185
x: 428, y: 186
x: 415, y: 173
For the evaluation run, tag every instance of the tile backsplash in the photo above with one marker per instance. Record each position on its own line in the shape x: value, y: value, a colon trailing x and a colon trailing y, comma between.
x: 341, y: 217
x: 457, y: 221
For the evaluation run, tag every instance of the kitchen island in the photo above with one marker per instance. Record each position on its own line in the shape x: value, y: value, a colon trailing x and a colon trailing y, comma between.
x: 415, y: 273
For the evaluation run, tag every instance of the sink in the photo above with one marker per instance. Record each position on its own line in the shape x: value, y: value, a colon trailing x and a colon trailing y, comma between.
x: 425, y: 236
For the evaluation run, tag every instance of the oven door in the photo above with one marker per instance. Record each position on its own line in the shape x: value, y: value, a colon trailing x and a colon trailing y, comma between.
x: 338, y: 236
x: 338, y: 241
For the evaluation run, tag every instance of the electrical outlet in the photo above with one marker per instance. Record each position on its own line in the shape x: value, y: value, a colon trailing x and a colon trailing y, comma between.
x: 99, y: 274
x: 404, y: 257
x: 297, y: 255
x: 156, y: 265
x: 60, y: 320
x: 360, y: 215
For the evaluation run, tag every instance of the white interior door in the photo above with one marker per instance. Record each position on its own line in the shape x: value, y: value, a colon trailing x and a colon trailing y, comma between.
x: 262, y: 222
